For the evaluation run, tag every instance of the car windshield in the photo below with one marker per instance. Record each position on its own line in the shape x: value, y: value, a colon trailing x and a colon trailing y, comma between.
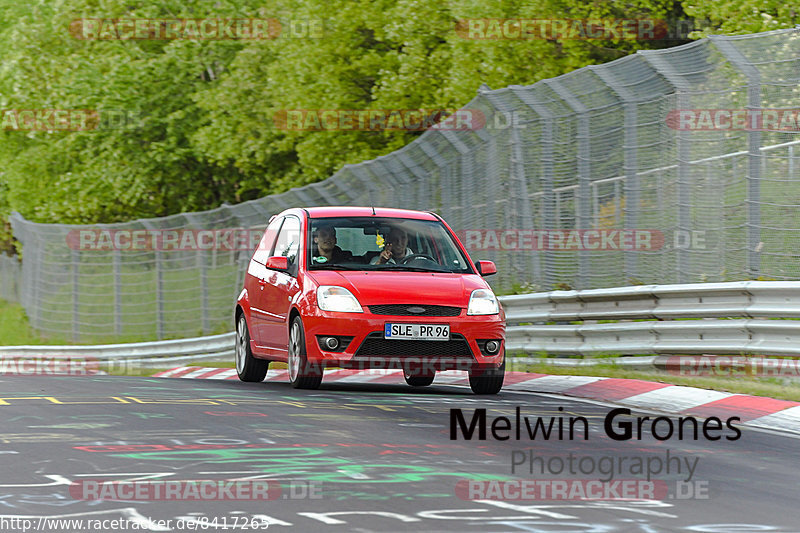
x: 375, y: 243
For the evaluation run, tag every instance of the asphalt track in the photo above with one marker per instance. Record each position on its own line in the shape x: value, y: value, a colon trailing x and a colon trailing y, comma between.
x: 354, y: 457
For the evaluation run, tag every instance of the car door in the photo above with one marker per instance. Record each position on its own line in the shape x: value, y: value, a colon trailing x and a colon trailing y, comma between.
x: 280, y: 288
x: 257, y: 278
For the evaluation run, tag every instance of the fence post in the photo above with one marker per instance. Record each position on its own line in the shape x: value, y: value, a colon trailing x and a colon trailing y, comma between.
x: 29, y: 268
x: 518, y: 189
x: 492, y: 175
x: 17, y: 277
x: 546, y: 173
x: 683, y: 139
x: 392, y: 170
x: 158, y: 267
x: 584, y: 207
x: 449, y: 189
x: 6, y: 281
x: 159, y: 295
x: 754, y: 157
x: 3, y: 278
x: 202, y: 265
x: 117, y: 272
x: 75, y: 263
x: 319, y: 188
x: 420, y: 177
x: 356, y: 171
x: 435, y: 195
x: 632, y: 187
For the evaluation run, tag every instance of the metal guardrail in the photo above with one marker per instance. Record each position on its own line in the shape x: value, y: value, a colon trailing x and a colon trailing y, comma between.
x: 156, y: 352
x: 732, y: 318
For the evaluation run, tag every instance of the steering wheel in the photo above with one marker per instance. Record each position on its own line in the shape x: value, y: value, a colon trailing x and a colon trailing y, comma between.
x: 408, y: 258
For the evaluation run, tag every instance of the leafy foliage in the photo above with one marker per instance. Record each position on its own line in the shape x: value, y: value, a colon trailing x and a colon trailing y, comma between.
x: 743, y: 16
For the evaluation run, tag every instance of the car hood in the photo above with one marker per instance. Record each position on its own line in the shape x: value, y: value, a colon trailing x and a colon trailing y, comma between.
x: 375, y: 288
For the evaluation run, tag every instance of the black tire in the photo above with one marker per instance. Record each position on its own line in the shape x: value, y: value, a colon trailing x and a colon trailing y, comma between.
x: 487, y: 380
x: 418, y: 381
x: 248, y: 367
x: 302, y: 374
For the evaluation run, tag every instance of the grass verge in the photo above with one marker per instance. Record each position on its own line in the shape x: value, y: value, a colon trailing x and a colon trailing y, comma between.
x: 15, y: 329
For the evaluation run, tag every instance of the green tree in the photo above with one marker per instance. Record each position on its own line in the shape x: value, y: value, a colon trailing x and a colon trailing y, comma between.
x: 742, y: 16
x: 146, y: 168
x: 392, y: 54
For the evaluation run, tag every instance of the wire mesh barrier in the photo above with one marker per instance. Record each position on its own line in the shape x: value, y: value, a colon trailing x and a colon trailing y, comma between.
x: 9, y: 278
x: 668, y: 166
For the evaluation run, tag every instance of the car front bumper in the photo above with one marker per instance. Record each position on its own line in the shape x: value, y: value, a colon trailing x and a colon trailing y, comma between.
x: 367, y: 347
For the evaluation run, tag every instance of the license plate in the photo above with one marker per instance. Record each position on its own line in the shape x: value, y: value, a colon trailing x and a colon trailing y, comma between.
x: 424, y: 332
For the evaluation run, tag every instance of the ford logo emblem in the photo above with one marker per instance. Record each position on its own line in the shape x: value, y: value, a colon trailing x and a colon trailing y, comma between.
x: 415, y: 310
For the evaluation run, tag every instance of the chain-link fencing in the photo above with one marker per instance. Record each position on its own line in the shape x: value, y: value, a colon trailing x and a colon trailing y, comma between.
x: 10, y: 277
x: 669, y: 166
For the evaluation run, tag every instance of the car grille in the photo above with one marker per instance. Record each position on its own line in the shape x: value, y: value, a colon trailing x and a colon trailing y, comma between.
x: 402, y: 310
x: 376, y: 346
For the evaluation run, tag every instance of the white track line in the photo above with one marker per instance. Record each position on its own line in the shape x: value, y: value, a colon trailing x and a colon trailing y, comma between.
x: 553, y: 383
x: 676, y: 397
x: 786, y: 420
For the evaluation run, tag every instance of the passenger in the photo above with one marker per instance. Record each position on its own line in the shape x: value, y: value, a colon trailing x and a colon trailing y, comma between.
x: 396, y: 248
x: 326, y: 249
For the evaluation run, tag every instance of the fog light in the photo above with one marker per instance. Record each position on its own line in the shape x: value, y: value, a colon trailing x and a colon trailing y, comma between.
x: 332, y: 343
x: 492, y: 347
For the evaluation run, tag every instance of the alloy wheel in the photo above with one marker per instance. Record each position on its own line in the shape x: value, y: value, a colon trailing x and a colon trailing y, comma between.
x: 294, y: 348
x: 241, y: 344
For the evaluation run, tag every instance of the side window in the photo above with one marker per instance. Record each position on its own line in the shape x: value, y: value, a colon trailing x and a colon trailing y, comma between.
x: 265, y: 246
x: 289, y: 240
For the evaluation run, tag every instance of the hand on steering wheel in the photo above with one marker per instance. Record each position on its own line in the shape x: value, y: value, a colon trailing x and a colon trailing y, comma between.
x: 408, y: 258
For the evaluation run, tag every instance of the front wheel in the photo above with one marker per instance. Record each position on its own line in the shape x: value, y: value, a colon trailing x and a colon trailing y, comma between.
x: 487, y: 380
x: 302, y: 374
x: 248, y: 367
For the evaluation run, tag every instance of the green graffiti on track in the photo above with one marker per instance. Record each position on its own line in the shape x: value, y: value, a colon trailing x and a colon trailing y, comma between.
x: 309, y: 464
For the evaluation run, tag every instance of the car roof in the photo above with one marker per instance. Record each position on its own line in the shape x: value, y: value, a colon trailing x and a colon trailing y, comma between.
x: 341, y: 211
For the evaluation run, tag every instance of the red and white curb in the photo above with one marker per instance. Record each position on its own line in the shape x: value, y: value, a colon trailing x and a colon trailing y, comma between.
x: 756, y: 411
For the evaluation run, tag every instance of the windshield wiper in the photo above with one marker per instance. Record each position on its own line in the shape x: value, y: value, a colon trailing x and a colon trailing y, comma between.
x: 333, y: 266
x: 410, y: 268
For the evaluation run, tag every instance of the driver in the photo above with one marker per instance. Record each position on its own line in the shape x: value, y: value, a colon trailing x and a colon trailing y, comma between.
x: 327, y: 251
x: 396, y: 248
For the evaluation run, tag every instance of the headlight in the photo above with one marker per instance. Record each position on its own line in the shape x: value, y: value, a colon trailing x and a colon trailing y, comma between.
x: 333, y: 298
x: 483, y: 302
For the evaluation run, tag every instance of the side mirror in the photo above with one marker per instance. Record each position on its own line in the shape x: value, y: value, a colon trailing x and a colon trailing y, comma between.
x: 278, y: 262
x: 486, y: 268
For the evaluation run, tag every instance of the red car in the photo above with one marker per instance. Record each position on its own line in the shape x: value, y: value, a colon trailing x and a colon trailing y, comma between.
x: 361, y: 287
